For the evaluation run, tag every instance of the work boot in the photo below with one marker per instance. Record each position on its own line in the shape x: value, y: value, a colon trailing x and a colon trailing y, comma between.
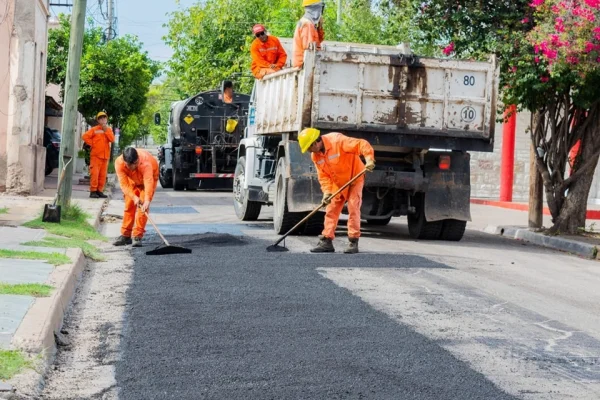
x: 137, y: 242
x: 122, y: 241
x: 325, y: 245
x: 352, y: 246
x: 101, y: 195
x: 94, y: 195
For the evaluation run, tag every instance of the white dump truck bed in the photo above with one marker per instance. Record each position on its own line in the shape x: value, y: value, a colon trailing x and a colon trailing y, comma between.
x: 350, y: 87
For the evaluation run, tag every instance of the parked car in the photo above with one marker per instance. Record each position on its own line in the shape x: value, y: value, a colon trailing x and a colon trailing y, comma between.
x: 52, y: 140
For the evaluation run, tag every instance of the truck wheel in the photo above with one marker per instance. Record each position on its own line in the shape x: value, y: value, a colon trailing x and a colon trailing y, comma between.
x: 48, y: 168
x: 165, y: 181
x: 379, y: 222
x: 283, y: 219
x: 178, y: 184
x: 453, y: 230
x: 315, y: 224
x: 418, y: 226
x: 245, y: 209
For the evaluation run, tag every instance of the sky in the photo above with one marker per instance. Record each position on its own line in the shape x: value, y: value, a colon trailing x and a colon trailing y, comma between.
x: 143, y: 18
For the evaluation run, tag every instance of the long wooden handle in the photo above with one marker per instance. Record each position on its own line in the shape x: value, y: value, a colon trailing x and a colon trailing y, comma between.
x: 60, y: 179
x: 156, y: 229
x: 313, y: 212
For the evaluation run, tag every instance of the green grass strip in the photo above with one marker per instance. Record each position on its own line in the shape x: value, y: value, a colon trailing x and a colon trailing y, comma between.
x: 26, y: 289
x: 52, y: 258
x: 11, y: 363
x: 73, y: 224
x: 88, y: 249
x: 3, y: 210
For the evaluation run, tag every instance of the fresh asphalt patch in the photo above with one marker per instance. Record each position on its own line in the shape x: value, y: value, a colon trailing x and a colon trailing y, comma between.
x: 232, y: 321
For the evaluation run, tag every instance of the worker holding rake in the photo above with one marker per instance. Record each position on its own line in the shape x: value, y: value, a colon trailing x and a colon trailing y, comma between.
x: 337, y: 159
x: 137, y: 171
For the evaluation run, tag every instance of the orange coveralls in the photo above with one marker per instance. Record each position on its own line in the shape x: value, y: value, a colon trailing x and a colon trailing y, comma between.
x: 335, y: 167
x: 100, y: 141
x: 141, y: 183
x: 266, y: 54
x: 305, y: 34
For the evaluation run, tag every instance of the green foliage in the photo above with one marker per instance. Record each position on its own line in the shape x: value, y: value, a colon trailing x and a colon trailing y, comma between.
x: 115, y: 75
x: 211, y: 40
x: 52, y: 258
x: 73, y: 224
x: 26, y: 289
x: 12, y: 362
x: 4, y: 210
x: 89, y: 250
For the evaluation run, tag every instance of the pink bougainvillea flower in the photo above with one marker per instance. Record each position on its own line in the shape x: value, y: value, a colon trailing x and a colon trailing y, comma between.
x: 544, y: 79
x: 536, y: 48
x: 513, y: 69
x: 589, y: 46
x: 593, y: 3
x: 536, y: 3
x: 537, y: 59
x: 559, y: 26
x: 448, y: 49
x: 574, y: 60
x: 525, y: 20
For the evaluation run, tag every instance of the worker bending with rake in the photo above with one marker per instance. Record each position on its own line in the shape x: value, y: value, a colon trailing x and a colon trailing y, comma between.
x: 337, y: 159
x: 137, y: 171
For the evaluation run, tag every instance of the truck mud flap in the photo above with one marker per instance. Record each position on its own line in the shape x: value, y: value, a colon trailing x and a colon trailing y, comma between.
x: 304, y: 193
x: 448, y: 195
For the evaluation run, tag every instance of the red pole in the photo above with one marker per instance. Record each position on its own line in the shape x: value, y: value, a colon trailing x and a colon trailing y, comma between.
x: 508, y: 154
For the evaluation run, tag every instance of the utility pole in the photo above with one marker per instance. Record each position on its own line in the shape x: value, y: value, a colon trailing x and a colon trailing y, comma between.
x: 110, y: 20
x: 339, y: 12
x: 69, y: 121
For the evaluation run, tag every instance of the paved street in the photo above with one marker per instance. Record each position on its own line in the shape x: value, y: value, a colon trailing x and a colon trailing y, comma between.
x: 486, y: 318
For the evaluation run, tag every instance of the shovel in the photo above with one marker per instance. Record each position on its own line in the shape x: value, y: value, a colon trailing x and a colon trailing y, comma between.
x: 275, y: 248
x: 167, y: 248
x: 52, y: 211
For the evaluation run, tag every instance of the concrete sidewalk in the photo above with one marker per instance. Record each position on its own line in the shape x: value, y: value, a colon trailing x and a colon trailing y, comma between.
x: 513, y: 224
x: 28, y: 323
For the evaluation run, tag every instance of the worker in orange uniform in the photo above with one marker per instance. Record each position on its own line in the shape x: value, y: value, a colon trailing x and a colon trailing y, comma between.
x: 308, y: 30
x: 337, y: 159
x: 227, y: 92
x: 99, y: 139
x: 268, y: 55
x: 137, y: 171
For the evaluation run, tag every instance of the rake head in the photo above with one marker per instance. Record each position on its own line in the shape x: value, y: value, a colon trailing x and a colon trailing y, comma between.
x: 165, y: 250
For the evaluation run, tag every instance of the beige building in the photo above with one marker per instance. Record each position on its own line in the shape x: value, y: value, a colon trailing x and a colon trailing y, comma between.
x: 23, y: 46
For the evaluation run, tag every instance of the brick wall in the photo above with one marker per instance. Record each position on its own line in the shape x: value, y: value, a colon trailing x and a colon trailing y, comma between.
x: 485, y: 167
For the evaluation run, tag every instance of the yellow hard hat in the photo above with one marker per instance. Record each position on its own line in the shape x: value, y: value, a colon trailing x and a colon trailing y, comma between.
x: 101, y: 114
x: 309, y: 2
x: 231, y: 124
x: 307, y: 137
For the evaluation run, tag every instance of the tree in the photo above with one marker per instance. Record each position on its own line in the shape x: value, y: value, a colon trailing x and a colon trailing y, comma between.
x: 550, y: 65
x: 211, y: 40
x: 115, y: 75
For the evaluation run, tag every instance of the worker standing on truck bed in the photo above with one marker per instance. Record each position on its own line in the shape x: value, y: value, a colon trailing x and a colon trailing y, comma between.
x: 308, y: 30
x: 336, y: 158
x: 99, y: 139
x: 268, y: 55
x: 137, y: 171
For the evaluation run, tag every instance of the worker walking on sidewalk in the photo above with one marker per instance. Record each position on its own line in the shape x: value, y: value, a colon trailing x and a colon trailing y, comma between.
x: 309, y: 30
x: 268, y: 55
x: 99, y: 139
x: 137, y: 171
x: 337, y: 159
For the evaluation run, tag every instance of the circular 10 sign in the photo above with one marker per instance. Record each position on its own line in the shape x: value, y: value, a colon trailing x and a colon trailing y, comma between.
x: 468, y: 114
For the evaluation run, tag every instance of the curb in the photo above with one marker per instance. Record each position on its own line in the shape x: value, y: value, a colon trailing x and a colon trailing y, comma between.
x: 552, y: 242
x: 36, y: 333
x: 590, y: 214
x: 33, y: 337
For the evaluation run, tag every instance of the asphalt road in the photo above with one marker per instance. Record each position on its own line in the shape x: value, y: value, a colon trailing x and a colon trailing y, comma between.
x: 232, y: 321
x: 486, y: 318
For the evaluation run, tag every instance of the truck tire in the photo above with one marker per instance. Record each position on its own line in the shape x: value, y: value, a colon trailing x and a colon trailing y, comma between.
x: 245, y: 209
x: 165, y: 182
x: 453, y: 230
x: 418, y: 226
x: 283, y: 219
x: 315, y: 224
x: 379, y: 222
x: 178, y: 184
